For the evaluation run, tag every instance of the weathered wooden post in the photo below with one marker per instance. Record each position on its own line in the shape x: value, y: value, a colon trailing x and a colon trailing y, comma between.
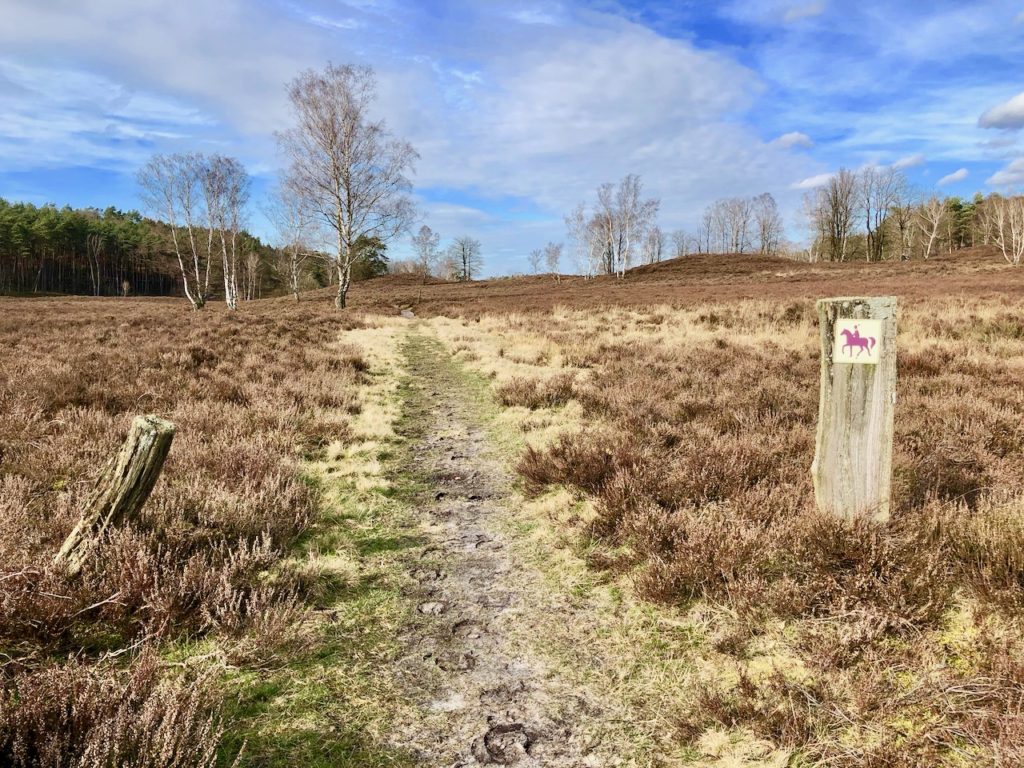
x: 852, y: 467
x: 121, y: 490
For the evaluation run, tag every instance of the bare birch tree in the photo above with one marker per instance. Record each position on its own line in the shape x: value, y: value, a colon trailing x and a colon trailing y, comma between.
x: 586, y: 245
x: 931, y: 216
x: 171, y: 189
x: 345, y: 166
x: 635, y: 217
x: 293, y: 222
x: 610, y: 239
x: 813, y: 217
x: 536, y: 259
x: 902, y: 216
x: 425, y: 244
x: 878, y: 192
x: 465, y: 253
x: 767, y: 224
x: 1008, y: 229
x: 680, y: 244
x: 252, y: 274
x: 654, y: 245
x: 836, y: 205
x: 225, y: 186
x: 552, y: 256
x: 985, y: 220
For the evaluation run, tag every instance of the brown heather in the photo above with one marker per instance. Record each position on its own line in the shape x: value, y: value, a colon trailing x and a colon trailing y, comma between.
x: 251, y: 394
x: 692, y: 393
x: 694, y: 445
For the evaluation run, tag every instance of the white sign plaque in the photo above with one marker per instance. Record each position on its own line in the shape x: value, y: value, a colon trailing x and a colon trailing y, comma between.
x: 857, y: 341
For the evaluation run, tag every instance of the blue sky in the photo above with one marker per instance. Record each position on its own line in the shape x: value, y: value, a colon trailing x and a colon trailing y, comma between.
x: 520, y: 109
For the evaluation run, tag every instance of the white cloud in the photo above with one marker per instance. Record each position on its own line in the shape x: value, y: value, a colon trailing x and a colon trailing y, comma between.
x: 813, y: 182
x: 540, y: 15
x: 56, y: 117
x: 239, y: 79
x: 528, y: 113
x: 910, y: 161
x: 1019, y: 19
x: 952, y: 178
x: 1008, y: 115
x: 330, y: 22
x: 771, y: 12
x: 1010, y: 176
x: 794, y: 139
x: 798, y: 12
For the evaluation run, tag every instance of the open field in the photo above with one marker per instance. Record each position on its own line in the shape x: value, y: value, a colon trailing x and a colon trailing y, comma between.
x: 979, y: 272
x: 628, y: 461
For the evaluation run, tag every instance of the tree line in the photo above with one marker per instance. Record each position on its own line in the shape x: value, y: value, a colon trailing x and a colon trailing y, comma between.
x: 875, y: 214
x: 344, y: 195
x: 461, y: 260
x: 620, y: 230
x: 45, y: 249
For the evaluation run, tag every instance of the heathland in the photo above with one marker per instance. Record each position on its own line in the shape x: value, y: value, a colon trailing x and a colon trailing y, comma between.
x: 553, y: 522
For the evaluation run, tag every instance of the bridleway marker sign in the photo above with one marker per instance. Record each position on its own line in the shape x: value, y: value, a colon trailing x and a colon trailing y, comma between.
x: 857, y: 341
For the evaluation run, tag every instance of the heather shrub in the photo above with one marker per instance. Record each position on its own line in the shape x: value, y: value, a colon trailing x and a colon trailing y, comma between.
x: 537, y: 393
x: 250, y: 394
x: 79, y: 714
x: 696, y: 455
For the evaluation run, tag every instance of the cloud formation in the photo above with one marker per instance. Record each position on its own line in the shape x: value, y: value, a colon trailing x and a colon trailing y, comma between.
x: 952, y: 178
x: 798, y: 12
x: 910, y: 161
x: 1010, y: 176
x: 813, y: 182
x: 794, y: 139
x: 1009, y: 115
x: 520, y: 109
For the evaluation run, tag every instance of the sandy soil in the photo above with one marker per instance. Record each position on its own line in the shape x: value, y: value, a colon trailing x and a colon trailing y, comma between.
x: 482, y: 698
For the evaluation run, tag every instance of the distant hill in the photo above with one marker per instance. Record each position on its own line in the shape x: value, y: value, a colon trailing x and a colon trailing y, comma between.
x: 694, y: 279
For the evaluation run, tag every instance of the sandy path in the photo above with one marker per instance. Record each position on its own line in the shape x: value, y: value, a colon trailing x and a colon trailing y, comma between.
x: 482, y: 699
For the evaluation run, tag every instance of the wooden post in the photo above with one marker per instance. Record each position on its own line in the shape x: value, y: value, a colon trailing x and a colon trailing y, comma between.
x: 121, y: 490
x: 852, y: 467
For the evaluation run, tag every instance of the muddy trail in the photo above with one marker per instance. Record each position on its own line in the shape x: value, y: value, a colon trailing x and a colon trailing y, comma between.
x: 481, y: 698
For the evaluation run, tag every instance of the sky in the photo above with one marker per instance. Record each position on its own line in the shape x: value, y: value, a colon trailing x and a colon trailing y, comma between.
x: 519, y: 110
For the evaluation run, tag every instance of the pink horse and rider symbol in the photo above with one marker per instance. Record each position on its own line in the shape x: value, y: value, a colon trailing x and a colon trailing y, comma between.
x: 855, y: 341
x: 858, y: 340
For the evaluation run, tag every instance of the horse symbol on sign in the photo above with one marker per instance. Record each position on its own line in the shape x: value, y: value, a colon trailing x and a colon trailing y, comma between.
x: 854, y: 339
x: 857, y: 340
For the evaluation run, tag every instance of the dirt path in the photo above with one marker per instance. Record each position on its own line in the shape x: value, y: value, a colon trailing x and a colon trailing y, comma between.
x: 482, y: 699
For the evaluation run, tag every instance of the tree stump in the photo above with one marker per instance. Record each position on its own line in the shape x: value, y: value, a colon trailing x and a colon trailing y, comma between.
x: 852, y: 467
x: 121, y: 490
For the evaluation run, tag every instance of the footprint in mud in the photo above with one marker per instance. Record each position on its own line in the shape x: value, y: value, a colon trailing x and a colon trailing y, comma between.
x: 427, y: 575
x: 503, y: 744
x: 497, y: 599
x: 504, y: 695
x: 455, y: 661
x: 468, y: 630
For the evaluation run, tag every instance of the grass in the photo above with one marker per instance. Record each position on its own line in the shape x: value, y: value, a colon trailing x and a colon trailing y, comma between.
x: 678, y: 473
x: 337, y: 701
x: 333, y: 702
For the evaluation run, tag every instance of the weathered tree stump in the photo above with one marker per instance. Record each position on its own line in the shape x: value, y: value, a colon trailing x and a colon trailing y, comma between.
x: 121, y: 490
x: 852, y: 467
